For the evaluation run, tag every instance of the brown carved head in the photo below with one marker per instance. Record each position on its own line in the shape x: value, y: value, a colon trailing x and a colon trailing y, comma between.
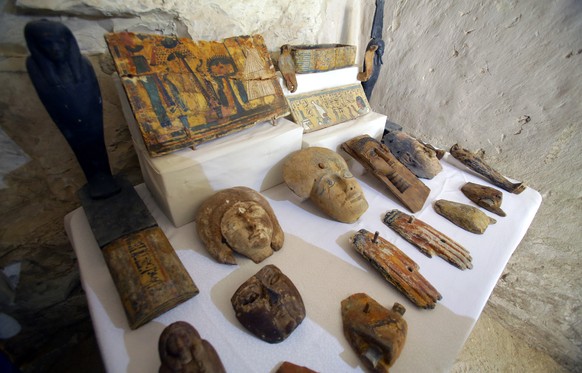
x: 269, y: 305
x: 238, y: 219
x: 182, y: 349
x: 322, y: 175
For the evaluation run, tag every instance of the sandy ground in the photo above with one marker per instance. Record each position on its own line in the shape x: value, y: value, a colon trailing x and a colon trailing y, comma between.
x: 492, y: 348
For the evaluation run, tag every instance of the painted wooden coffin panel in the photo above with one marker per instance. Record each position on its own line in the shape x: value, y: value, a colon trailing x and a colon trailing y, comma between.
x: 321, y: 109
x: 322, y: 57
x: 185, y: 92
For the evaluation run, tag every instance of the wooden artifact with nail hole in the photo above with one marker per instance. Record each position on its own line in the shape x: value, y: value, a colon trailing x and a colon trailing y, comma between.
x: 427, y: 239
x: 396, y: 267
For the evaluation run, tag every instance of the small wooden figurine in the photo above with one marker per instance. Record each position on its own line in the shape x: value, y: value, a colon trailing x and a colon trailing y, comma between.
x: 378, y: 160
x: 467, y: 217
x: 376, y: 333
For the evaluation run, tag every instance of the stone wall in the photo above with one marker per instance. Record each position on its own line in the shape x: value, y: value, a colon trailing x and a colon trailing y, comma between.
x: 502, y: 76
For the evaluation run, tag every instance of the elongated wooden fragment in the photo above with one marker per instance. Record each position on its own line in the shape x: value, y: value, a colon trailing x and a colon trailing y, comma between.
x: 478, y: 165
x: 467, y: 217
x: 399, y: 180
x: 488, y: 198
x: 427, y: 239
x: 396, y: 267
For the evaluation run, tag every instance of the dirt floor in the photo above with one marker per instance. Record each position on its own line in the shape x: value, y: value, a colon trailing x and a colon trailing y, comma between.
x: 492, y: 348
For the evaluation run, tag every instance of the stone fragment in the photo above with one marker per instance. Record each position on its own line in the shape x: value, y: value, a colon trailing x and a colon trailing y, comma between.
x: 420, y: 159
x: 488, y: 198
x: 467, y: 217
x: 376, y: 333
x: 269, y: 305
x: 182, y: 350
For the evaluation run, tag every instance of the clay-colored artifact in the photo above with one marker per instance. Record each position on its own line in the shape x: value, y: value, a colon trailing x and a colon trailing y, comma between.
x: 427, y: 239
x: 182, y: 350
x: 478, y: 165
x: 269, y: 305
x: 287, y: 68
x: 376, y: 333
x: 416, y: 156
x: 238, y: 219
x: 323, y: 176
x: 288, y: 367
x: 488, y: 198
x: 396, y: 267
x: 378, y: 159
x: 467, y: 217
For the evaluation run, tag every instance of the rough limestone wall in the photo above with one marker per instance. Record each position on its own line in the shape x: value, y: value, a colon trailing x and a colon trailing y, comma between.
x: 504, y: 76
x: 39, y: 280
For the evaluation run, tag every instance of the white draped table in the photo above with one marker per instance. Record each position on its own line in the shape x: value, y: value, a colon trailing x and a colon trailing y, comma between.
x: 318, y: 258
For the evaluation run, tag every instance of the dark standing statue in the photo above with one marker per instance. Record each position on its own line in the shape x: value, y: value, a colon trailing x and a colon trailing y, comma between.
x: 149, y: 277
x: 67, y: 86
x: 375, y: 46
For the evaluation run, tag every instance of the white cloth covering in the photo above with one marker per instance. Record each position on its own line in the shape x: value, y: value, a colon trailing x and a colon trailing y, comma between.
x: 318, y: 258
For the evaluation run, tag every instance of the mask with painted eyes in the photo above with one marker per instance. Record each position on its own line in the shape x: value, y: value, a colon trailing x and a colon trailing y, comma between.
x: 323, y: 176
x: 269, y: 305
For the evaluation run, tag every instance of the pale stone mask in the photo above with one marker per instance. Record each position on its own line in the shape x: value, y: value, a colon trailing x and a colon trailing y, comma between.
x: 238, y: 219
x: 323, y: 175
x: 269, y: 305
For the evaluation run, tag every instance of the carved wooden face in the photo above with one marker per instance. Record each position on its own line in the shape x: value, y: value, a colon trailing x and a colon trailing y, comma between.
x: 322, y: 175
x: 269, y: 305
x: 182, y: 349
x: 337, y: 193
x: 248, y: 230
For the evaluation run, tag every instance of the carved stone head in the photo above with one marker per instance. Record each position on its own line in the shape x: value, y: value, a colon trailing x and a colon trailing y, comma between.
x: 323, y: 176
x: 182, y: 349
x: 238, y: 219
x: 269, y: 305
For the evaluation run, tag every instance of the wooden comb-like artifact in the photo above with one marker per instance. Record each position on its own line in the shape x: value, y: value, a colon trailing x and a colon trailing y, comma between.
x: 427, y: 239
x: 378, y: 159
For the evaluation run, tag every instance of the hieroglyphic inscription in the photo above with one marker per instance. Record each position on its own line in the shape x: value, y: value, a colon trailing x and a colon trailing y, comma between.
x: 146, y: 264
x: 317, y: 110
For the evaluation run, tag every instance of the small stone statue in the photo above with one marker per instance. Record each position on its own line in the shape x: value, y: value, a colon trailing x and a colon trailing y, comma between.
x: 323, y: 176
x: 238, y: 219
x: 182, y: 350
x: 269, y: 305
x: 67, y: 86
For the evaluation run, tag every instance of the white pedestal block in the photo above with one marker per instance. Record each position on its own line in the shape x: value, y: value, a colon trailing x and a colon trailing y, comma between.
x: 371, y: 124
x: 182, y: 180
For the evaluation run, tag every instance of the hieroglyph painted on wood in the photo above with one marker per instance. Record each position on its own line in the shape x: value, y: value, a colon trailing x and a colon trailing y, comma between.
x: 184, y: 92
x: 317, y: 110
